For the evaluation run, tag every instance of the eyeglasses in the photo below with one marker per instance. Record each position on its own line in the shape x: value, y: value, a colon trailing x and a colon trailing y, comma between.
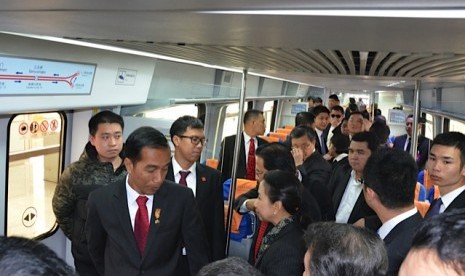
x: 302, y: 147
x: 195, y: 139
x: 336, y: 116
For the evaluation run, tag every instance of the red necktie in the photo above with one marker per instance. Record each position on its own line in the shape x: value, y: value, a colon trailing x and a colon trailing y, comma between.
x: 141, y: 224
x: 251, y: 160
x: 261, y: 234
x: 184, y: 175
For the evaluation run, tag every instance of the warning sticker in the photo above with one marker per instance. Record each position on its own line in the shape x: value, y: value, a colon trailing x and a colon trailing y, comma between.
x: 23, y: 127
x: 44, y: 126
x: 53, y: 125
x: 34, y: 127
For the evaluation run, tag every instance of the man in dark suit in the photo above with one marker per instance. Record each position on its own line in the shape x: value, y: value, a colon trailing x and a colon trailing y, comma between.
x: 446, y: 169
x: 124, y: 237
x: 345, y: 185
x: 403, y: 142
x: 315, y: 169
x: 254, y: 125
x: 321, y: 123
x: 188, y: 138
x: 390, y: 177
x: 334, y: 127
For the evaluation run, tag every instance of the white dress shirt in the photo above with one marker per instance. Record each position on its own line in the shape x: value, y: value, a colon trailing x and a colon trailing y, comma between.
x: 449, y: 197
x: 191, y: 178
x: 132, y: 196
x: 351, y: 194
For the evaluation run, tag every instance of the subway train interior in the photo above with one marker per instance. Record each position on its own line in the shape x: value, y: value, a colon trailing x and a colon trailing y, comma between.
x: 154, y: 61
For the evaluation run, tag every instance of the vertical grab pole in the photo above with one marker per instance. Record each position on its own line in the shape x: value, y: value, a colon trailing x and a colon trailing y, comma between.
x: 416, y: 117
x: 239, y: 137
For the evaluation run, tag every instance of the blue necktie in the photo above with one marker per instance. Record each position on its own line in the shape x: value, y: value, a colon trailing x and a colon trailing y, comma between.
x: 434, y: 210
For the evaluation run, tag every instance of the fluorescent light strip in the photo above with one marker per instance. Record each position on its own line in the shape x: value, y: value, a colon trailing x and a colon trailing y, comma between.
x: 142, y: 53
x: 455, y: 13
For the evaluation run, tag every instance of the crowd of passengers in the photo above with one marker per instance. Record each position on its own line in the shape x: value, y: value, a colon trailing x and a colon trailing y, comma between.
x: 337, y: 197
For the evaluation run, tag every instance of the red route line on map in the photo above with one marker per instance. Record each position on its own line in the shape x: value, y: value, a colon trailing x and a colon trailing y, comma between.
x: 69, y: 79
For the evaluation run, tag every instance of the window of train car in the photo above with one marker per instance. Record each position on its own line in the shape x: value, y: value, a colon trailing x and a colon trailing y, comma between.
x: 232, y: 114
x: 230, y: 120
x: 268, y: 112
x: 172, y: 113
x: 34, y: 166
x: 456, y: 126
x: 429, y: 133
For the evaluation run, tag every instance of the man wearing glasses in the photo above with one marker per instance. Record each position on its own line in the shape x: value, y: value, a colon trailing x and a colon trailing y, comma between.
x: 188, y: 138
x: 314, y: 168
x: 335, y: 119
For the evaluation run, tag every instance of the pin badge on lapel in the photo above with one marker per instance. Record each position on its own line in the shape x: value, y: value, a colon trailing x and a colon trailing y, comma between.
x: 157, y: 215
x: 204, y: 179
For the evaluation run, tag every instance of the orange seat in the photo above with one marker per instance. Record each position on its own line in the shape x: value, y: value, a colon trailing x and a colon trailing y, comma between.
x: 270, y: 139
x: 289, y: 127
x: 281, y: 136
x: 212, y: 163
x: 422, y: 207
x: 284, y: 130
x: 242, y: 186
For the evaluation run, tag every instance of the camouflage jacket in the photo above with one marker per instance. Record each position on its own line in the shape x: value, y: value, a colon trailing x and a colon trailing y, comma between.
x: 75, y: 184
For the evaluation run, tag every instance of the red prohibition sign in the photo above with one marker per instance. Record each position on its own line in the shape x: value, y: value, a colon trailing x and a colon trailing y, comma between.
x: 44, y: 126
x: 23, y: 127
x: 53, y: 125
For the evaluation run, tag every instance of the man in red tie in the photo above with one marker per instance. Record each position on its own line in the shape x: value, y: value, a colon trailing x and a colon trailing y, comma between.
x: 141, y: 224
x: 254, y: 125
x: 188, y: 138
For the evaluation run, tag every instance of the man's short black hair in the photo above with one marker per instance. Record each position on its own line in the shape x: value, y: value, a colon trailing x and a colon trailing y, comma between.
x: 300, y: 131
x: 144, y: 137
x: 392, y: 175
x: 369, y: 137
x: 304, y: 118
x: 444, y: 234
x: 104, y: 117
x: 343, y: 249
x: 179, y: 127
x: 341, y: 142
x: 334, y: 97
x: 21, y: 256
x: 231, y: 266
x: 320, y: 109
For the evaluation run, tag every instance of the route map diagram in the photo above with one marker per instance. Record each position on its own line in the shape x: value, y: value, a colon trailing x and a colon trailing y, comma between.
x: 25, y: 76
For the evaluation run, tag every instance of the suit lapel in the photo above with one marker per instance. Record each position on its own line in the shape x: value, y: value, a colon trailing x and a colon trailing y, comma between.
x: 409, y: 223
x: 170, y: 174
x: 201, y: 183
x: 120, y: 206
x: 339, y: 191
x: 458, y: 202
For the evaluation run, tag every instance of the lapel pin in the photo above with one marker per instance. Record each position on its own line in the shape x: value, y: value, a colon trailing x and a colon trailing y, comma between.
x: 157, y: 215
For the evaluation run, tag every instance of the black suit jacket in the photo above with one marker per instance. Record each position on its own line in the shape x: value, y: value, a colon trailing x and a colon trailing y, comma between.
x: 457, y: 203
x: 226, y: 157
x: 337, y: 186
x: 111, y: 240
x: 399, y: 241
x: 284, y: 255
x: 209, y: 197
x: 316, y: 173
x: 422, y: 149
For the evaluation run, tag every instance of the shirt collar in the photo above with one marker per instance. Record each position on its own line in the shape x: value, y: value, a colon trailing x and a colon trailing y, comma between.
x: 340, y: 157
x: 246, y: 138
x: 387, y: 227
x: 177, y: 167
x: 132, y: 195
x: 449, y: 197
